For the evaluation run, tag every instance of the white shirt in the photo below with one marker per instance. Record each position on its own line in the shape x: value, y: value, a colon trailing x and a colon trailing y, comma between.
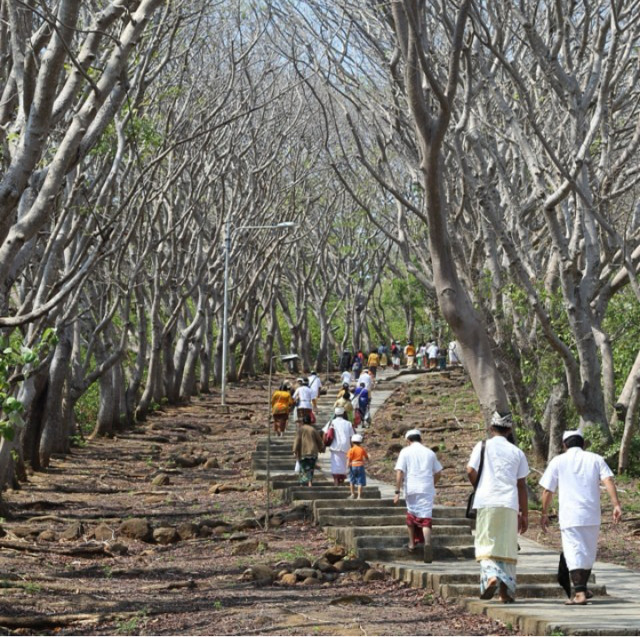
x: 419, y: 464
x: 343, y: 432
x: 314, y: 385
x: 504, y: 465
x: 432, y: 350
x: 303, y: 396
x: 367, y: 380
x: 578, y: 474
x: 346, y: 377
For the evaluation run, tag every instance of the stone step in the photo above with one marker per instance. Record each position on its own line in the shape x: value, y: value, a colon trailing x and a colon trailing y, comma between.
x: 326, y: 519
x: 400, y: 541
x: 276, y: 476
x: 394, y: 554
x: 445, y: 579
x: 368, y: 509
x: 390, y: 531
x: 292, y: 481
x: 283, y: 452
x: 284, y: 444
x: 260, y: 465
x: 524, y: 591
x: 307, y: 494
x: 386, y: 505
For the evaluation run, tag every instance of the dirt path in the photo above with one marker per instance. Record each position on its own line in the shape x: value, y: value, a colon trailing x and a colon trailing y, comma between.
x: 70, y: 564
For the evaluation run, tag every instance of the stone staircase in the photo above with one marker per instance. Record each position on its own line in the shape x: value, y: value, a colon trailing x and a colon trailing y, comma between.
x: 374, y: 529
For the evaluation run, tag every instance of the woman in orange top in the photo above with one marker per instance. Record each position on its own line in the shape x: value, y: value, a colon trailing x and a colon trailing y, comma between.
x: 281, y: 405
x: 372, y: 362
x: 356, y: 457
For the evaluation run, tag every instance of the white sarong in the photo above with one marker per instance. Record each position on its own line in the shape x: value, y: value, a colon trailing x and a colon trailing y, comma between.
x: 580, y: 546
x: 420, y: 504
x: 338, y: 463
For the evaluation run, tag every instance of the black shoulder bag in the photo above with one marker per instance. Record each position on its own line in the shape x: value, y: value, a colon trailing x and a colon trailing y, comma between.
x: 471, y: 510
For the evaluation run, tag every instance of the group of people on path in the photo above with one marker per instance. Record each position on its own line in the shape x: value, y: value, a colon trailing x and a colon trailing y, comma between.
x: 351, y: 408
x: 303, y: 398
x: 425, y: 356
x: 498, y: 469
x: 339, y: 436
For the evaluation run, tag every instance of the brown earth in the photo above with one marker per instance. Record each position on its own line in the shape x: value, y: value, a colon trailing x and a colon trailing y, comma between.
x: 109, y: 575
x: 446, y: 410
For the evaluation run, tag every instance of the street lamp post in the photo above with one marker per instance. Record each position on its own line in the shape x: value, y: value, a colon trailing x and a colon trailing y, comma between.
x: 225, y: 317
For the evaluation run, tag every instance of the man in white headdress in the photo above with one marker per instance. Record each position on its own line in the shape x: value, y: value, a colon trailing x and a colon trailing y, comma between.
x: 577, y: 474
x: 340, y: 444
x: 419, y: 470
x: 498, y: 469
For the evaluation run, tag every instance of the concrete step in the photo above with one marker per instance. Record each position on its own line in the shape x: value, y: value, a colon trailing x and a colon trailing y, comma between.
x: 318, y: 492
x: 390, y: 531
x: 395, y: 554
x: 326, y: 519
x: 400, y: 541
x: 282, y: 484
x: 276, y: 476
x: 348, y: 535
x: 388, y: 506
x: 446, y: 579
x: 369, y: 509
x: 261, y: 465
x: 285, y: 445
x: 524, y: 591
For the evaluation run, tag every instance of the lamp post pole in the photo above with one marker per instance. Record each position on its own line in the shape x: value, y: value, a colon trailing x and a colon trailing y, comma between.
x: 268, y: 485
x: 225, y: 317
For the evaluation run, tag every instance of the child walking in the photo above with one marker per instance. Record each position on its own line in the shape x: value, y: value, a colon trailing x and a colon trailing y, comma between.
x: 356, y: 458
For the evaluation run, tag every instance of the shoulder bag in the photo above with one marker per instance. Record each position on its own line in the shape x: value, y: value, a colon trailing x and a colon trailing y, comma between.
x: 329, y: 436
x: 472, y: 512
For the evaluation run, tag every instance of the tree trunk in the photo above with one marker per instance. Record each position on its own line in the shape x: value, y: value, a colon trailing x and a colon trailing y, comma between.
x: 553, y: 419
x: 188, y: 385
x: 431, y: 126
x: 54, y: 431
x: 629, y: 427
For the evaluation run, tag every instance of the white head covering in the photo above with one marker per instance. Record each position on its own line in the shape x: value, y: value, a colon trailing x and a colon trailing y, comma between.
x: 339, y: 411
x: 568, y: 434
x: 412, y: 432
x: 502, y: 421
x: 356, y: 438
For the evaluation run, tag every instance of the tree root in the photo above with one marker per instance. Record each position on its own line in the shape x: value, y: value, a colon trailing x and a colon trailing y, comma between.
x: 90, y: 551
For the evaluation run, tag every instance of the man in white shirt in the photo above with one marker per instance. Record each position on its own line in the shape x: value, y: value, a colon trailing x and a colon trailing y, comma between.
x: 501, y: 503
x: 367, y: 379
x: 418, y: 468
x: 303, y: 397
x: 314, y: 385
x: 339, y: 447
x: 578, y: 473
x: 346, y: 377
